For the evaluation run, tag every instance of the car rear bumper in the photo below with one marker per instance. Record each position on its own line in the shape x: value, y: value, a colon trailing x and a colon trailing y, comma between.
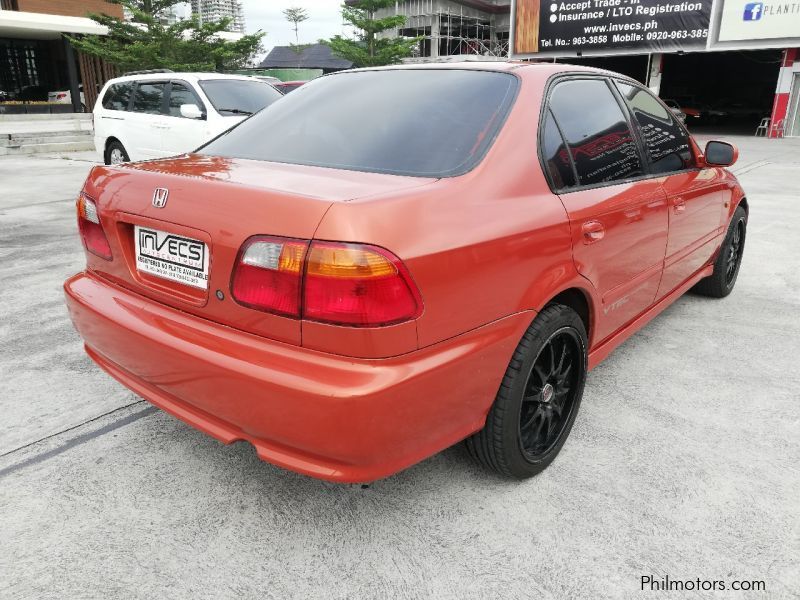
x: 323, y: 415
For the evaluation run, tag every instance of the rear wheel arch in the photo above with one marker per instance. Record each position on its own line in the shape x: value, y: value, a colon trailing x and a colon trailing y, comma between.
x: 109, y: 140
x: 112, y: 144
x: 578, y: 300
x: 540, y: 381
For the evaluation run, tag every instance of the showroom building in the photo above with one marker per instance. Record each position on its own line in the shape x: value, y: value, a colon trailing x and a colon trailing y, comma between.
x: 36, y: 57
x: 728, y: 63
x: 724, y: 62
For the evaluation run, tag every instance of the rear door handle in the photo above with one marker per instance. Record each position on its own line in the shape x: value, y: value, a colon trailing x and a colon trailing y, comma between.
x: 679, y: 204
x: 593, y: 231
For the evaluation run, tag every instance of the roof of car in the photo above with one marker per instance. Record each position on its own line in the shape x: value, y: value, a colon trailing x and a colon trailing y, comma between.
x: 532, y: 69
x: 185, y: 76
x: 547, y: 68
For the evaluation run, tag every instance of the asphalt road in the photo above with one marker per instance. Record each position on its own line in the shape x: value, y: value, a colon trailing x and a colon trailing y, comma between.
x: 684, y: 460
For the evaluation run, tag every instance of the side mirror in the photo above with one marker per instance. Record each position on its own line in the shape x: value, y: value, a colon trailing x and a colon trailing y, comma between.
x: 191, y: 111
x: 721, y: 154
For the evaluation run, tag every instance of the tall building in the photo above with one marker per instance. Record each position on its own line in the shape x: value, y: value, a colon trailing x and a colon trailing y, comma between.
x: 170, y: 16
x: 215, y: 10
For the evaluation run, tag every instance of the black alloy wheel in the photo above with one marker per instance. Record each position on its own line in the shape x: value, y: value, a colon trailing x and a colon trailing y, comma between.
x: 734, y: 251
x: 539, y: 396
x: 550, y: 393
x: 729, y: 260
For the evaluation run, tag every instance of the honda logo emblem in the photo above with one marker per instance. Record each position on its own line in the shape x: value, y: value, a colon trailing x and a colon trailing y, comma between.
x: 160, y: 197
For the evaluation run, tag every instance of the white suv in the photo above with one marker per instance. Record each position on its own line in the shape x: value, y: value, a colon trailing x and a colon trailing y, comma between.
x: 148, y: 114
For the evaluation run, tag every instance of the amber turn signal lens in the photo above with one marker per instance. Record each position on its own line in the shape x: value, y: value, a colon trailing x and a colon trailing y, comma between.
x: 348, y: 261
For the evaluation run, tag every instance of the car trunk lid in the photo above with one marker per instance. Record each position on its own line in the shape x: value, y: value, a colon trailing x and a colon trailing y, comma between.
x: 214, y: 204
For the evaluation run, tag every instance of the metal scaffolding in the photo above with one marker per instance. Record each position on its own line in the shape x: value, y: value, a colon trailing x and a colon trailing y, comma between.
x: 450, y: 32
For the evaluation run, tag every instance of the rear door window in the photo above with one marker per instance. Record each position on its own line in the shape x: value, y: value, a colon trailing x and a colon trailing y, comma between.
x: 556, y: 155
x: 149, y: 97
x: 118, y: 96
x: 597, y: 133
x: 667, y: 142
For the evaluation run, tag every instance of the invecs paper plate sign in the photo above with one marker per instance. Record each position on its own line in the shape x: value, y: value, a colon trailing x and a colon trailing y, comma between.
x: 171, y: 256
x: 543, y: 26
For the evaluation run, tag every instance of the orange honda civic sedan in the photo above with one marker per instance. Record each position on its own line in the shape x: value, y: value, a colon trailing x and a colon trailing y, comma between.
x: 389, y: 261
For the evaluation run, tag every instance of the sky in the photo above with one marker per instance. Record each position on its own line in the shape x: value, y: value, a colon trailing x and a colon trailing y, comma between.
x: 324, y: 20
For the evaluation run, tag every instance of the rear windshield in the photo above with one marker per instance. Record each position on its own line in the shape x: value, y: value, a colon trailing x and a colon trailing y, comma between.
x: 431, y: 123
x: 239, y: 96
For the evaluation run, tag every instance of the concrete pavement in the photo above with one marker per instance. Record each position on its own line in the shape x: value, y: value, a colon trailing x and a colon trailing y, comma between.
x: 683, y: 460
x: 36, y: 123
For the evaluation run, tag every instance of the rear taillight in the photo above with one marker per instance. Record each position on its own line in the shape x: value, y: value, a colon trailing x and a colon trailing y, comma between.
x: 94, y: 238
x: 343, y: 284
x: 61, y: 96
x: 354, y: 284
x: 268, y: 275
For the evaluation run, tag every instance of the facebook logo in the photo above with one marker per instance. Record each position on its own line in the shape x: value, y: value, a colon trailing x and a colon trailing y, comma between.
x: 753, y: 11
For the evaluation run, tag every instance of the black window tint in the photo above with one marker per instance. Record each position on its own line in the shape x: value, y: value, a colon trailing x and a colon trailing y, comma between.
x: 667, y: 142
x: 148, y: 97
x: 239, y: 96
x: 424, y: 122
x: 118, y: 96
x: 179, y: 95
x: 556, y: 155
x: 596, y: 131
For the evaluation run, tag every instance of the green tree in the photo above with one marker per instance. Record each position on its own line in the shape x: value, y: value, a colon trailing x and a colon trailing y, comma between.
x: 147, y: 42
x: 296, y: 16
x: 368, y: 49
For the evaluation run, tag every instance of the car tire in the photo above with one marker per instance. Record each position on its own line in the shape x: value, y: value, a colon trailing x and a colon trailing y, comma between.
x: 538, y: 399
x: 116, y: 153
x: 726, y: 267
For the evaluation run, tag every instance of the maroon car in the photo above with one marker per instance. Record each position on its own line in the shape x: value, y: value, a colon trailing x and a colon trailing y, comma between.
x: 288, y: 86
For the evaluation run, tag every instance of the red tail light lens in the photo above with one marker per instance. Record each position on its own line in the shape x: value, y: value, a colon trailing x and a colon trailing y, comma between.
x: 269, y: 273
x: 343, y: 284
x: 94, y: 238
x: 358, y: 285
